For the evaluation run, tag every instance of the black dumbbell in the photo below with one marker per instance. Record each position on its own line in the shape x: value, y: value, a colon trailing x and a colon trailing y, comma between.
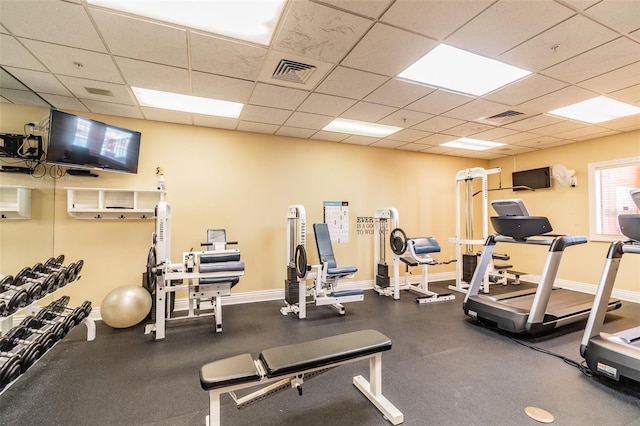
x: 41, y: 326
x: 13, y: 297
x: 35, y: 287
x: 55, y: 265
x: 9, y: 369
x: 59, y: 278
x: 60, y: 311
x: 28, y: 353
x: 22, y: 335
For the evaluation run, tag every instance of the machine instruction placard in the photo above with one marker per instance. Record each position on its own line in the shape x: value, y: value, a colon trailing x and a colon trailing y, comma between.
x: 336, y: 216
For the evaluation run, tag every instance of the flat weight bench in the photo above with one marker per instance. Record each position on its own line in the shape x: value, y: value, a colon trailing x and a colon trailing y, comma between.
x: 288, y: 366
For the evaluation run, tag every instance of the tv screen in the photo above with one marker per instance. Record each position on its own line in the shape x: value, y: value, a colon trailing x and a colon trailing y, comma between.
x: 88, y: 144
x: 534, y: 179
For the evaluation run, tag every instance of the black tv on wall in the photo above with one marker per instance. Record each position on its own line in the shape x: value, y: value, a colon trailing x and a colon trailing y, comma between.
x: 534, y: 179
x: 80, y: 142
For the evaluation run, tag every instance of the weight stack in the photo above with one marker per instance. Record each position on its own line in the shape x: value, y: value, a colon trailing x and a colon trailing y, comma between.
x: 291, y: 290
x: 382, y: 277
x: 469, y: 263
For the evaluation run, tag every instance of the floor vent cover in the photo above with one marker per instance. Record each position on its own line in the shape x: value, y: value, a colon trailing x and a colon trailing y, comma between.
x: 295, y: 72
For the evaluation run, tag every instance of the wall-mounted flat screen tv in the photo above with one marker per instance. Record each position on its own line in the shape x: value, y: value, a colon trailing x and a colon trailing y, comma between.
x: 79, y: 142
x: 534, y: 179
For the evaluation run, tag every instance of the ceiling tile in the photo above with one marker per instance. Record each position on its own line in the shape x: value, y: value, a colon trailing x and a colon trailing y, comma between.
x: 398, y: 93
x: 405, y: 118
x: 219, y: 87
x: 555, y: 129
x: 581, y: 132
x: 157, y: 114
x: 65, y: 102
x: 435, y: 19
x: 143, y: 40
x: 540, y: 141
x: 107, y: 108
x: 408, y: 135
x: 476, y: 109
x: 570, y: 38
x: 330, y: 136
x: 14, y: 54
x: 325, y: 104
x: 438, y: 139
x: 148, y: 75
x: 295, y: 132
x: 367, y: 111
x: 467, y: 129
x: 414, y: 147
x: 625, y: 124
x: 534, y: 122
x: 438, y: 150
x: 118, y: 93
x: 617, y: 14
x: 308, y: 121
x: 55, y: 22
x: 438, y: 124
x: 510, y: 23
x: 612, y: 55
x: 217, y: 122
x: 277, y: 96
x: 372, y: 9
x: 630, y: 94
x: 225, y: 57
x: 65, y: 60
x: 360, y: 140
x: 319, y: 32
x: 621, y: 78
x: 560, y: 98
x: 378, y: 51
x: 494, y: 134
x: 250, y: 126
x: 264, y: 114
x: 350, y: 83
x: 531, y: 87
x: 22, y: 97
x: 41, y: 82
x: 515, y: 138
x: 386, y: 143
x: 439, y: 101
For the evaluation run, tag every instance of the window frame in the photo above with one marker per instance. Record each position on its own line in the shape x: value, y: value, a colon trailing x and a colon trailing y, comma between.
x: 594, y: 195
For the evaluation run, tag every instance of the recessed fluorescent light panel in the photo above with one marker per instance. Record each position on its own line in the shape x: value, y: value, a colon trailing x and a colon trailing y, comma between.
x: 361, y: 128
x: 472, y: 144
x: 597, y: 110
x: 249, y: 20
x: 465, y: 72
x: 186, y: 103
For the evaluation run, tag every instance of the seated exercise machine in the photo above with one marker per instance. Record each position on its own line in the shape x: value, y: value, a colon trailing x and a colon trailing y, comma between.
x: 614, y: 355
x: 531, y: 311
x: 210, y: 275
x: 419, y: 254
x: 325, y: 276
x: 289, y: 366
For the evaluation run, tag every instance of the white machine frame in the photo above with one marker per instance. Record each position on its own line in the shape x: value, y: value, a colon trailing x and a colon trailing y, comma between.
x: 315, y: 294
x: 465, y: 177
x: 385, y: 219
x: 168, y: 272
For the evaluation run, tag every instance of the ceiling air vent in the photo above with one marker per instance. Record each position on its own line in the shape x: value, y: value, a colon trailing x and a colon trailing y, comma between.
x: 97, y: 91
x: 295, y: 72
x: 509, y: 113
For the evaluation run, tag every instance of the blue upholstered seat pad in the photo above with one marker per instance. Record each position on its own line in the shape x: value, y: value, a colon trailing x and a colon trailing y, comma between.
x: 228, y: 371
x: 425, y: 245
x: 323, y: 352
x: 223, y: 257
x: 346, y: 270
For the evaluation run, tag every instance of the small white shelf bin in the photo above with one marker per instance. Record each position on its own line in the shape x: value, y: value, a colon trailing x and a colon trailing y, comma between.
x: 106, y: 203
x: 15, y: 202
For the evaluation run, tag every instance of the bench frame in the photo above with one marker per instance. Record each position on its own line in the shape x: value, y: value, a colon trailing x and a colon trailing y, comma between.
x: 371, y: 388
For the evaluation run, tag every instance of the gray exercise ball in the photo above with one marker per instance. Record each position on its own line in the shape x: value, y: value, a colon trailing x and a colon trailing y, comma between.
x: 125, y: 306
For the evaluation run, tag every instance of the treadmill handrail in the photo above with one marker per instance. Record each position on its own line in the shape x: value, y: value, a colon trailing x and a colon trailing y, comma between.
x: 558, y: 242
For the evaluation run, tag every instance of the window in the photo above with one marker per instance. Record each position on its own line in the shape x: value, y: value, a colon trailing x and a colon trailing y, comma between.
x: 609, y: 186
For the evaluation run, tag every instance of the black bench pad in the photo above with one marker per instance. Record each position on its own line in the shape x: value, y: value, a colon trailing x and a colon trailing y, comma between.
x: 299, y: 357
x: 228, y: 371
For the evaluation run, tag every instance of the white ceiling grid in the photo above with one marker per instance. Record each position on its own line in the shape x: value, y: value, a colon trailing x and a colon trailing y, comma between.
x: 575, y: 49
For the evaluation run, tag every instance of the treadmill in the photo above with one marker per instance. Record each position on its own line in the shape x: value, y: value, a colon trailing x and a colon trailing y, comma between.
x: 614, y: 355
x: 532, y: 311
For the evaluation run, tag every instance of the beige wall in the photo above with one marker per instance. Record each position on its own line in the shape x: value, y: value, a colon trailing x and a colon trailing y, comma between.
x: 243, y: 182
x: 568, y: 208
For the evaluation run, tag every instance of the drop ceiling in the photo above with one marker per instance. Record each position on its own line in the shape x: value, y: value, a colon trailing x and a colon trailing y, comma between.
x: 75, y: 56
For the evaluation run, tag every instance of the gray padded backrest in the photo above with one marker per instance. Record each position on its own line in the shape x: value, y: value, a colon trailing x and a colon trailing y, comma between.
x: 513, y: 207
x: 323, y: 243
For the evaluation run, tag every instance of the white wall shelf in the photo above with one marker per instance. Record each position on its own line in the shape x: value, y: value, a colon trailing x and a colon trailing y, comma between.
x: 15, y: 202
x: 112, y: 203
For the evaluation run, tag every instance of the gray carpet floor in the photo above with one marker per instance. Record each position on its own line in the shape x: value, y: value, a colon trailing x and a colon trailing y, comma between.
x: 444, y: 369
